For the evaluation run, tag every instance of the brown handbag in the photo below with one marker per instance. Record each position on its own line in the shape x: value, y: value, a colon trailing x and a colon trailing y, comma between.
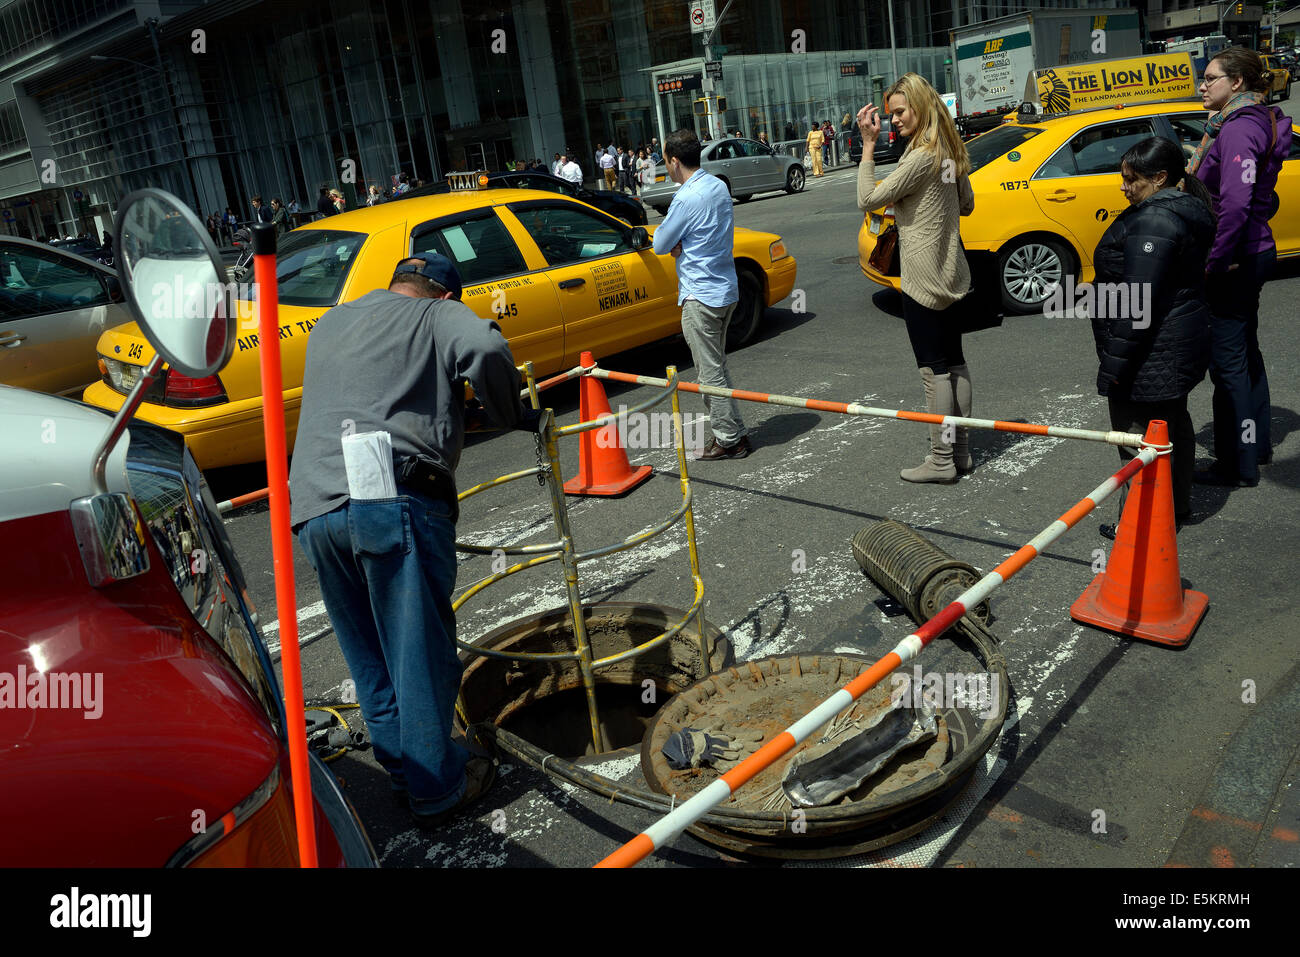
x: 884, y: 258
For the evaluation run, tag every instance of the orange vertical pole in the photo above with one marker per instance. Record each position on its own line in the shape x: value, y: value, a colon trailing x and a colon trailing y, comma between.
x: 277, y: 480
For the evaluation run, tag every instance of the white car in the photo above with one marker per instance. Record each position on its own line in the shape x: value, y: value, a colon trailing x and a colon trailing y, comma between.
x: 746, y: 166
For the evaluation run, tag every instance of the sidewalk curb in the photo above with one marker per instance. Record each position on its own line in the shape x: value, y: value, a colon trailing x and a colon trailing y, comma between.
x: 1249, y: 813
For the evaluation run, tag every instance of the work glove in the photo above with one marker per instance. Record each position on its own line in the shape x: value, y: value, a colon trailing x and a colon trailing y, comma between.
x: 714, y: 745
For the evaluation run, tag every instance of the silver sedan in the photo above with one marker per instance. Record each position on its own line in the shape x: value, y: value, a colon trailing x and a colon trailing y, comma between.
x: 746, y: 166
x: 53, y: 307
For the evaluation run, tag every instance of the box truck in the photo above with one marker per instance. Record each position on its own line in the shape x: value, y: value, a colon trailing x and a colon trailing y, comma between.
x: 994, y: 58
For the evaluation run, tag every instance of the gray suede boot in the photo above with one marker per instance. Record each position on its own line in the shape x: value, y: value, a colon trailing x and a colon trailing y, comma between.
x: 961, y: 393
x: 937, y: 466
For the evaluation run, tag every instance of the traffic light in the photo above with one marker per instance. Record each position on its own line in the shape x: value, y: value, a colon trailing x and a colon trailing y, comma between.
x: 1240, y: 7
x: 702, y: 106
x: 722, y: 103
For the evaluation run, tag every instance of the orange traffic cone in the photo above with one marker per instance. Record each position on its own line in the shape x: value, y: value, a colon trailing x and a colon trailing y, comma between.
x: 603, y: 468
x: 1141, y: 591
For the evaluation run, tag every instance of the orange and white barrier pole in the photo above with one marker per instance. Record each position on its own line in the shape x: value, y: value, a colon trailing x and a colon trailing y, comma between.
x: 678, y: 820
x: 1127, y: 439
x: 239, y: 501
x: 277, y: 476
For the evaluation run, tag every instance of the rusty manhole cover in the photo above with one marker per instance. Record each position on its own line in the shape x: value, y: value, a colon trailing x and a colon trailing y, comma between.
x: 769, y: 696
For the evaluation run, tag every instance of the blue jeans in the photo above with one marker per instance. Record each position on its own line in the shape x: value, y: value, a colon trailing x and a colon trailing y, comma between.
x: 386, y: 569
x: 1237, y: 367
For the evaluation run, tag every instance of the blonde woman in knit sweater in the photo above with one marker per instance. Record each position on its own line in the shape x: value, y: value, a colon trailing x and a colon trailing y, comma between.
x: 929, y: 190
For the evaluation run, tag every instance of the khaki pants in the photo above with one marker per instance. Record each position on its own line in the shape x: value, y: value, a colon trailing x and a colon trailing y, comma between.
x: 610, y: 175
x: 816, y: 152
x: 705, y: 330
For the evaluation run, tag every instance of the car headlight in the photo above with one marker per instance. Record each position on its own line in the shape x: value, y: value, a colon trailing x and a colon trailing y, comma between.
x: 777, y: 250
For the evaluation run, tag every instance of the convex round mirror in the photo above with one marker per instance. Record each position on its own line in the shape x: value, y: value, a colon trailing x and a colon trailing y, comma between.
x: 175, y: 282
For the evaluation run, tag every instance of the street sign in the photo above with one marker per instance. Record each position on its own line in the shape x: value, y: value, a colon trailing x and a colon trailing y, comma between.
x: 679, y: 83
x: 714, y: 69
x: 702, y: 16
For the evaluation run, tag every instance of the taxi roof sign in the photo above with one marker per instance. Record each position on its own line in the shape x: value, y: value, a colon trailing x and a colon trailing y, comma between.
x: 467, y: 181
x: 1084, y: 86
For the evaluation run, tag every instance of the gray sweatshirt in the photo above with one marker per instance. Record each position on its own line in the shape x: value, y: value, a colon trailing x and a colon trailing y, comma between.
x: 390, y: 362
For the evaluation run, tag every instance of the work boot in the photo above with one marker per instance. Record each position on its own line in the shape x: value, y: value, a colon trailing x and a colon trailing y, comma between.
x: 937, y: 466
x: 961, y: 393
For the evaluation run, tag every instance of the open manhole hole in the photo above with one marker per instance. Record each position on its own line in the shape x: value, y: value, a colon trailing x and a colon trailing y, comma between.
x: 544, y: 702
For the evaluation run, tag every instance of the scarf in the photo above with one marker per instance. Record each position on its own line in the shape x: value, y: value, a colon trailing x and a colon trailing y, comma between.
x: 1215, y: 123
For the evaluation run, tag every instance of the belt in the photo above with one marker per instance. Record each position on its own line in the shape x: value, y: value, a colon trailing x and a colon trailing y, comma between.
x: 427, y: 479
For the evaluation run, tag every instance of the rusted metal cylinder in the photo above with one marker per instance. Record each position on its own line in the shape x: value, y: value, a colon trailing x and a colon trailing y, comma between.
x: 918, y: 574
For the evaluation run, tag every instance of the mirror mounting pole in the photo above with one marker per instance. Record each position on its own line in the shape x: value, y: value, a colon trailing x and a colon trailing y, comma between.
x: 100, y: 470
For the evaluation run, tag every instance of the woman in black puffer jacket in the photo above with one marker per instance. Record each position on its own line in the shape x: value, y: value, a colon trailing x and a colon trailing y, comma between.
x: 1157, y: 349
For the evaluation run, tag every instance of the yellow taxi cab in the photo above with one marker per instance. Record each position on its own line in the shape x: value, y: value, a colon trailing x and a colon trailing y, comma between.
x: 1046, y: 187
x: 559, y: 276
x: 1281, y: 87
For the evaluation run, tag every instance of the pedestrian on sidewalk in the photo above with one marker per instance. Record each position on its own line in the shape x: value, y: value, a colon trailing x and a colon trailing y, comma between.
x: 1238, y: 160
x: 645, y: 170
x: 815, y: 142
x: 699, y: 232
x: 325, y: 203
x: 929, y: 190
x: 570, y: 170
x: 608, y: 171
x: 280, y: 218
x: 397, y: 360
x: 828, y: 135
x: 624, y: 170
x: 1156, y: 351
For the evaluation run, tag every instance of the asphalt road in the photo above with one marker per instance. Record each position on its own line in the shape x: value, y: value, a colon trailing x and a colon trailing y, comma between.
x: 1102, y: 731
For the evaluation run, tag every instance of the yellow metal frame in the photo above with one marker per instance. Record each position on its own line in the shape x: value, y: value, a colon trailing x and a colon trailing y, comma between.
x: 564, y: 551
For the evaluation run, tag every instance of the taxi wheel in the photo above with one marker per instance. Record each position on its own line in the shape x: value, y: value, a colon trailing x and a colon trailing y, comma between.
x: 1028, y: 269
x: 794, y: 180
x: 749, y: 310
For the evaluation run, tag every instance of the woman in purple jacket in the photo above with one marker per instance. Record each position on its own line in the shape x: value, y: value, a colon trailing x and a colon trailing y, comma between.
x: 1239, y: 160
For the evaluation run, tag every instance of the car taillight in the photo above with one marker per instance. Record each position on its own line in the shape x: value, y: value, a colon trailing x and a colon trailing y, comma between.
x: 265, y: 838
x: 181, y: 390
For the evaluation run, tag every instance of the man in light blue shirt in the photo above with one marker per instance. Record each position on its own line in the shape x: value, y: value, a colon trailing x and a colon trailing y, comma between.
x: 698, y: 231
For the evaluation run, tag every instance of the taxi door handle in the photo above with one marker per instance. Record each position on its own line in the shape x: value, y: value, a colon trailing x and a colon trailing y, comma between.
x: 572, y: 283
x: 11, y: 339
x: 1059, y: 196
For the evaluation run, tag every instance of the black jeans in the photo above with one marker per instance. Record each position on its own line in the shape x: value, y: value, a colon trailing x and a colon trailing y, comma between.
x: 1128, y: 416
x: 1241, y: 401
x: 935, y: 335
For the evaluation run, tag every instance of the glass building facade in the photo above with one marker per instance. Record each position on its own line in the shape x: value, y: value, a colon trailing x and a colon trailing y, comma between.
x: 246, y: 97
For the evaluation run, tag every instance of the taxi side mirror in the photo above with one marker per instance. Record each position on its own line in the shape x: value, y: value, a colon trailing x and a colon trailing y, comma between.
x: 640, y: 238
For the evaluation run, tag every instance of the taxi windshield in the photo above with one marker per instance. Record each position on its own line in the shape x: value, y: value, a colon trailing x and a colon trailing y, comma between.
x: 987, y: 147
x: 311, y: 265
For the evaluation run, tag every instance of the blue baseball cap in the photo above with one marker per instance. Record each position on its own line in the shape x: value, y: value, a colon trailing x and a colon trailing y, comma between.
x: 438, y: 268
